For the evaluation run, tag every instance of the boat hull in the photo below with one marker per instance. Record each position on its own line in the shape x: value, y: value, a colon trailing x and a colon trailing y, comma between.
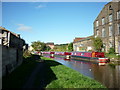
x: 63, y: 56
x: 92, y: 59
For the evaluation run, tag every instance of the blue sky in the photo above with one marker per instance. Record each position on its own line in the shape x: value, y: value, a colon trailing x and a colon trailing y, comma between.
x: 58, y: 22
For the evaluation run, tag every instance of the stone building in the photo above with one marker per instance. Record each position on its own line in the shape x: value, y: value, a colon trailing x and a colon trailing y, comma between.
x: 78, y: 39
x: 30, y: 48
x: 84, y: 44
x: 107, y: 26
x: 50, y: 44
x: 11, y: 48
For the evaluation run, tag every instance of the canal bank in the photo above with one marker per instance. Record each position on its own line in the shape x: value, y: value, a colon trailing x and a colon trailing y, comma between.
x: 69, y: 78
x: 47, y: 74
x: 108, y: 75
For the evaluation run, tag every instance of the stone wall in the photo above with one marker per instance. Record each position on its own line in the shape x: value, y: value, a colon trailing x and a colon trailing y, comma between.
x: 11, y: 48
x: 11, y: 58
x: 83, y: 45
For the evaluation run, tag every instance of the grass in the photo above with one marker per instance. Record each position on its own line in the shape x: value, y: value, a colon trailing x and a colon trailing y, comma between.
x: 112, y: 56
x: 50, y: 75
x: 18, y: 77
x: 69, y: 78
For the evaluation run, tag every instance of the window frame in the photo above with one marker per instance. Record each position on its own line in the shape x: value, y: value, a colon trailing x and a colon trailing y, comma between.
x: 110, y: 18
x: 97, y: 32
x: 118, y: 14
x: 97, y: 23
x: 103, y: 20
x: 103, y: 32
x: 110, y: 30
x: 118, y: 28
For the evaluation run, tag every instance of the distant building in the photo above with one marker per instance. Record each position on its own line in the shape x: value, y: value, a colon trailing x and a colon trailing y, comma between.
x: 30, y: 48
x: 12, y: 50
x: 107, y: 26
x: 83, y: 44
x: 50, y: 44
x: 78, y: 39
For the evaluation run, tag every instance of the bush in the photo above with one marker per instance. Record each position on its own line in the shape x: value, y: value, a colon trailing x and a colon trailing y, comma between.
x: 118, y: 56
x: 26, y: 54
x: 111, y: 51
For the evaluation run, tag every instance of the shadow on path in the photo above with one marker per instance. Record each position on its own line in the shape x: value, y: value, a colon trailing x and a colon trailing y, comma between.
x: 42, y: 75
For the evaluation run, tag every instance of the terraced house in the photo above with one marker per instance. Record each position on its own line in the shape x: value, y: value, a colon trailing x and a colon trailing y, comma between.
x: 107, y: 26
x: 83, y: 44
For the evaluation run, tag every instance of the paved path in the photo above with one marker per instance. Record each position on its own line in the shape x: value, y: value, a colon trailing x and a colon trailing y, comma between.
x: 43, y: 74
x: 39, y: 68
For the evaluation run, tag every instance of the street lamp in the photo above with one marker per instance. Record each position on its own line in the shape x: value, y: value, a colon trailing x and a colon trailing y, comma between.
x: 113, y: 29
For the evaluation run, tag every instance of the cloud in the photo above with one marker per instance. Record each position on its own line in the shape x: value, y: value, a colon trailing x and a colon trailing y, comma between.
x: 22, y: 27
x: 40, y: 6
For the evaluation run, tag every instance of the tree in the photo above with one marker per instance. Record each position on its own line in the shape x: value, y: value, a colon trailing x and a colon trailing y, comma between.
x: 60, y: 48
x: 26, y: 53
x: 47, y: 48
x: 70, y: 47
x: 97, y: 43
x: 38, y: 46
x: 111, y: 50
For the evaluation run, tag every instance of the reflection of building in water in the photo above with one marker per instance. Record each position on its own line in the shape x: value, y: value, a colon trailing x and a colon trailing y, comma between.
x: 118, y: 75
x: 109, y: 76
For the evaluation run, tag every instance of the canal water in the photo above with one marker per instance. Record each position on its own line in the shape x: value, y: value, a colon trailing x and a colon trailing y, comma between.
x: 107, y: 75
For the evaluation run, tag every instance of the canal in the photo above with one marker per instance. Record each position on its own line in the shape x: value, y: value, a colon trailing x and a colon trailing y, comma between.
x: 107, y: 75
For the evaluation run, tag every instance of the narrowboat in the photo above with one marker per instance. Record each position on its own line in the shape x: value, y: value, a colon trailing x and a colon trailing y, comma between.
x: 45, y: 53
x: 48, y: 54
x: 66, y: 55
x: 97, y: 57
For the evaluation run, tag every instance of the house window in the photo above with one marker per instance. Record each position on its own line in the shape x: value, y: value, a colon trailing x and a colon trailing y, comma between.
x: 110, y: 30
x: 103, y: 32
x: 97, y: 32
x: 110, y: 44
x: 75, y: 47
x: 103, y: 21
x: 4, y: 34
x: 0, y: 41
x: 118, y: 25
x: 118, y: 15
x: 110, y: 18
x: 97, y: 23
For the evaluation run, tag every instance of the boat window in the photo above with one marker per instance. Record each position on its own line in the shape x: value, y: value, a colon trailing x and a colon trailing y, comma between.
x: 82, y: 54
x: 75, y: 53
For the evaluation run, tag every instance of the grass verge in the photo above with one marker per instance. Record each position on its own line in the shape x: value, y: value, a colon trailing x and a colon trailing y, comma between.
x: 112, y: 56
x: 69, y: 78
x: 50, y: 75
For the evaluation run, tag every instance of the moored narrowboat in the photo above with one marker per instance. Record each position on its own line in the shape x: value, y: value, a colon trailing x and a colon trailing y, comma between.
x: 66, y: 55
x: 97, y: 57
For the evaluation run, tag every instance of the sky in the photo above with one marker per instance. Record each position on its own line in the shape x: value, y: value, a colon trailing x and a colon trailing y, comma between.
x: 58, y: 22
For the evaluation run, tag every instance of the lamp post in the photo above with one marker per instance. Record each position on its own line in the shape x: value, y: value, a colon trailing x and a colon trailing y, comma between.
x: 113, y: 29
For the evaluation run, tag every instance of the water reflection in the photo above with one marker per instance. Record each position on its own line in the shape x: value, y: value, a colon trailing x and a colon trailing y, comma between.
x: 107, y: 75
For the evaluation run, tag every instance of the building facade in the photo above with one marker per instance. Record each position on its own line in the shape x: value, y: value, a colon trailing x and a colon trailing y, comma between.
x: 84, y: 44
x: 11, y: 48
x: 50, y: 44
x: 107, y: 26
